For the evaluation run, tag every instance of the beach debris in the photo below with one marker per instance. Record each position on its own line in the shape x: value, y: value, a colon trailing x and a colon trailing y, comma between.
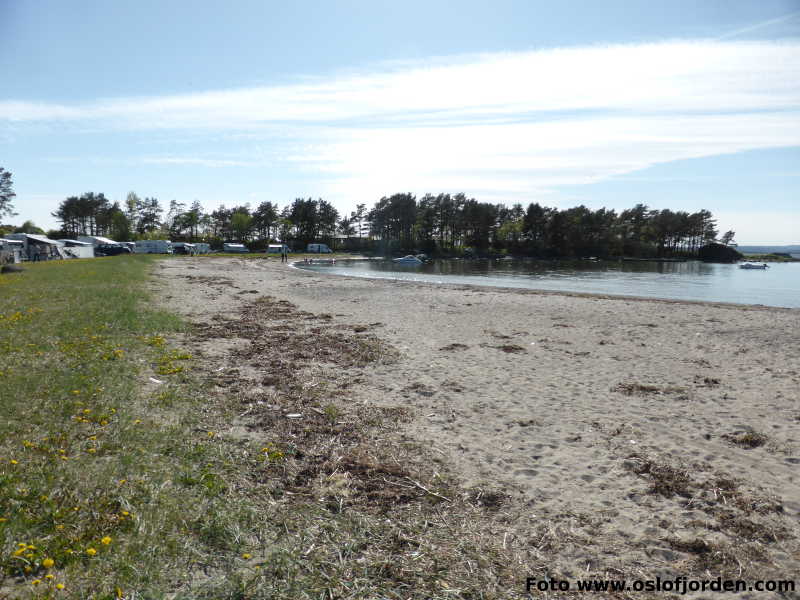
x: 453, y: 347
x: 294, y: 415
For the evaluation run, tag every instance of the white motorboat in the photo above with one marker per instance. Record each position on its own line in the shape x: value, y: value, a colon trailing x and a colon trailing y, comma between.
x: 754, y: 266
x: 407, y: 260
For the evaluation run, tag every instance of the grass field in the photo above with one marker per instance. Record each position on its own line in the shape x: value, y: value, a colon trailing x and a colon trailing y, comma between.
x: 113, y: 485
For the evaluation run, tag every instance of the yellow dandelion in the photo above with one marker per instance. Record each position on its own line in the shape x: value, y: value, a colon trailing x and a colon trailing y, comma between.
x: 29, y: 556
x: 92, y: 450
x: 19, y: 551
x: 59, y: 586
x: 28, y: 569
x: 103, y: 422
x: 125, y: 513
x: 13, y: 462
x: 121, y: 481
x: 48, y: 562
x: 93, y: 437
x: 36, y: 582
x: 246, y: 556
x: 91, y: 551
x: 106, y: 540
x: 49, y: 576
x: 86, y: 411
x: 210, y: 434
x: 137, y: 421
x: 59, y: 527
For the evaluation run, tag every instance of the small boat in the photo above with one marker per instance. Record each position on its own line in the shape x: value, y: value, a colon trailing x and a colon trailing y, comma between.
x: 407, y: 260
x: 754, y: 266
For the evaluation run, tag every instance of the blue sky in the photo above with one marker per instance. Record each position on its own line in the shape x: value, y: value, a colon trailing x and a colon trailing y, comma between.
x: 681, y: 105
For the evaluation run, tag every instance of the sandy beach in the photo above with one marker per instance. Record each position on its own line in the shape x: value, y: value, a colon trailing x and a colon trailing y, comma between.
x: 638, y: 436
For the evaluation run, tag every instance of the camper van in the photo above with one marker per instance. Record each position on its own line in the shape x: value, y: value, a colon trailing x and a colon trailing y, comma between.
x: 154, y: 247
x: 235, y: 248
x: 277, y: 249
x: 318, y: 249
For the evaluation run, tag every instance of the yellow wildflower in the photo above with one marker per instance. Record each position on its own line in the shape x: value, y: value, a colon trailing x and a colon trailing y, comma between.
x: 48, y: 562
x: 91, y: 551
x: 246, y: 556
x: 36, y: 582
x: 106, y: 540
x: 49, y: 576
x: 59, y: 586
x: 13, y: 462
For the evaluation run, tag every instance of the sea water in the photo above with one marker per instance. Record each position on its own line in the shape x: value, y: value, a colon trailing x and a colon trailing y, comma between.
x: 779, y: 285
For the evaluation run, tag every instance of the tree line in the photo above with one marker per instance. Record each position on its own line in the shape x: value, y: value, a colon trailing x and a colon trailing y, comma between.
x: 435, y: 224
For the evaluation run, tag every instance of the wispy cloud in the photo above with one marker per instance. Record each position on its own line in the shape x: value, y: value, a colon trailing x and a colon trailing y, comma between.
x: 760, y: 25
x: 507, y: 124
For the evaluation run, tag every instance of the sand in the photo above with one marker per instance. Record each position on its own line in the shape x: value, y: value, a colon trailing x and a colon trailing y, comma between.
x: 578, y: 407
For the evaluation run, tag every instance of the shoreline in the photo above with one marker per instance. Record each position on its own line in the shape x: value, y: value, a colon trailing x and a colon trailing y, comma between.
x: 574, y: 406
x: 523, y: 290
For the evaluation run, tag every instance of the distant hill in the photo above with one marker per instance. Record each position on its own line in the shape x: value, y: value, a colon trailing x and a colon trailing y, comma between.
x: 768, y: 249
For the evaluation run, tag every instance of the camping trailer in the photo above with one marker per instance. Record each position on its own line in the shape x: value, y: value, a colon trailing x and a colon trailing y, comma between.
x: 318, y: 249
x: 38, y: 247
x: 154, y: 247
x: 235, y: 248
x: 96, y: 240
x: 277, y: 249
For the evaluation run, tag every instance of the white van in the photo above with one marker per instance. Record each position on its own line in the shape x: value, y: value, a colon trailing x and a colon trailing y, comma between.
x: 277, y: 249
x: 154, y: 247
x: 319, y: 249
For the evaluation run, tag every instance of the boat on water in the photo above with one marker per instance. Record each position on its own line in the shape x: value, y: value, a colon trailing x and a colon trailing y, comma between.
x: 407, y: 260
x: 754, y: 266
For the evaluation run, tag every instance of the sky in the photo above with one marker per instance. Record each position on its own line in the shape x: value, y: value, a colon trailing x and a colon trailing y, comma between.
x: 682, y: 105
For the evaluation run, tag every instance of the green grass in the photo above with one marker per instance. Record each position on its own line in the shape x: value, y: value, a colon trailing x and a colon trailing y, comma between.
x: 113, y: 486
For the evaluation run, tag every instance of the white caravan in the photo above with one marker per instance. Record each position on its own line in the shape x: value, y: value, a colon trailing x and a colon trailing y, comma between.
x: 154, y: 247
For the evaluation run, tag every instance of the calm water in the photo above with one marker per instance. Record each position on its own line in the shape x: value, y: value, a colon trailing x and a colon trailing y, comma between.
x: 777, y: 286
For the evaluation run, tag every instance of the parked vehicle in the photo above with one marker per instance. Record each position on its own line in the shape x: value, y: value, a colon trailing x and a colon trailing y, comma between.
x: 202, y: 248
x: 318, y: 249
x: 235, y: 248
x: 111, y: 250
x: 154, y: 247
x: 278, y: 249
x: 183, y: 248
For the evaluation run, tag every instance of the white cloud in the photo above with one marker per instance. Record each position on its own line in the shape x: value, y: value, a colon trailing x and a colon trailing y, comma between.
x: 500, y: 126
x: 686, y: 76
